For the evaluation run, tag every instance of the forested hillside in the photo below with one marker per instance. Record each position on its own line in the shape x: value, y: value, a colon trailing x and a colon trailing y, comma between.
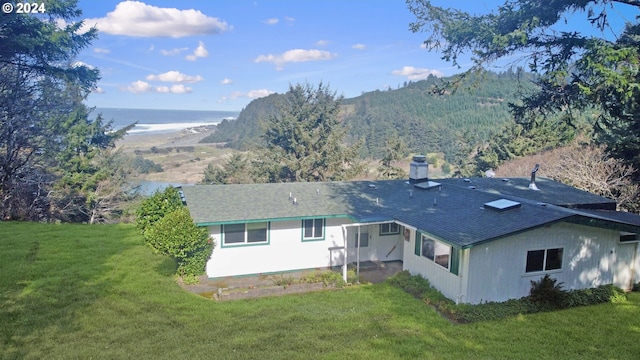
x: 425, y: 121
x: 245, y: 131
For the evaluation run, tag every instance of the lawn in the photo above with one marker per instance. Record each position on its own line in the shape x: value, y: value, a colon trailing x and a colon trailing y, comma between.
x: 79, y: 291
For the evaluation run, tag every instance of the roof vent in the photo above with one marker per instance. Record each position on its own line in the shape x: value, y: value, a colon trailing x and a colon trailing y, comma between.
x: 532, y: 184
x: 502, y: 205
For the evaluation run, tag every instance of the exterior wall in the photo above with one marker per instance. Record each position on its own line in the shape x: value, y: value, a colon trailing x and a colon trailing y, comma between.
x: 285, y: 251
x: 442, y: 279
x: 627, y: 265
x: 496, y: 269
x: 381, y: 247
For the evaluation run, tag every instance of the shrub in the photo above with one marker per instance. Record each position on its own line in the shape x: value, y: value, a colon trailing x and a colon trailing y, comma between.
x: 156, y: 207
x: 178, y: 236
x: 547, y: 292
x: 419, y: 287
x: 145, y: 166
x: 599, y: 295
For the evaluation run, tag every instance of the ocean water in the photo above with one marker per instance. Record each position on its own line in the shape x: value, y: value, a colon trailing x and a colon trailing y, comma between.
x: 160, y: 121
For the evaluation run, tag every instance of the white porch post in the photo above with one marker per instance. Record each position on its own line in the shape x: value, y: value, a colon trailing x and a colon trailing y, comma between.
x: 358, y: 256
x: 344, y: 254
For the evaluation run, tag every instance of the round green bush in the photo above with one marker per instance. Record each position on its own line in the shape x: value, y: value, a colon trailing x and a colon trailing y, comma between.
x: 178, y: 236
x: 156, y: 207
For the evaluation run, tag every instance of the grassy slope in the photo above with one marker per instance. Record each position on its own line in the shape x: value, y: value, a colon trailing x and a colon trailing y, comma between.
x: 77, y: 291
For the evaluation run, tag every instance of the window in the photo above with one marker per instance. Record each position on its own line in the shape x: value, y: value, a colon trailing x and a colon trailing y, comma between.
x: 389, y: 229
x: 365, y: 240
x: 544, y: 260
x: 250, y: 233
x: 312, y: 229
x: 436, y: 251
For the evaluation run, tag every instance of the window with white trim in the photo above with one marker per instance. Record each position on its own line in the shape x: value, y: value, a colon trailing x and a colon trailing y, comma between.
x: 436, y: 251
x: 313, y: 229
x: 544, y: 260
x: 389, y: 229
x: 245, y: 234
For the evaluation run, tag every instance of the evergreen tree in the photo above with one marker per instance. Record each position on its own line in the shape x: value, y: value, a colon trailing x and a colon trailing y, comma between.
x: 45, y: 134
x: 576, y: 71
x: 304, y: 141
x: 395, y: 150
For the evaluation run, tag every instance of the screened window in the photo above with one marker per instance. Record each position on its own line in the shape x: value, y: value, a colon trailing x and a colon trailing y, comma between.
x: 389, y: 229
x: 436, y: 251
x: 250, y: 233
x: 313, y: 229
x: 544, y: 260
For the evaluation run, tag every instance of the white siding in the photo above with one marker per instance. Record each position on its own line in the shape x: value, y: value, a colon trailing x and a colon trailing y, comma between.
x: 497, y: 269
x: 286, y: 251
x: 627, y: 266
x: 439, y: 277
x: 381, y: 247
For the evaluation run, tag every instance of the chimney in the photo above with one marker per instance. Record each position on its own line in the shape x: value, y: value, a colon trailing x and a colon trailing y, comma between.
x: 418, y: 169
x: 532, y: 184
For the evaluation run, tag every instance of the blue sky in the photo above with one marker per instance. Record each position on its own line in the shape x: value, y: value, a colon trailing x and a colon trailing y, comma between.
x: 220, y: 55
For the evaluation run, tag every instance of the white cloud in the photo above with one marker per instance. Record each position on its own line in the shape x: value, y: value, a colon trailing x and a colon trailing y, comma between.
x: 98, y: 90
x: 359, y: 46
x: 226, y: 81
x: 174, y: 76
x: 199, y: 52
x: 81, y: 64
x: 252, y: 94
x: 60, y: 23
x: 174, y: 51
x: 289, y: 19
x: 412, y: 73
x: 180, y: 89
x: 295, y: 55
x: 271, y: 21
x: 322, y: 42
x: 139, y: 86
x: 135, y: 18
x: 101, y: 50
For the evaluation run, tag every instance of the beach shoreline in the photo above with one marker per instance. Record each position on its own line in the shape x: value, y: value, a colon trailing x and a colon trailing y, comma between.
x: 180, y: 153
x: 185, y: 137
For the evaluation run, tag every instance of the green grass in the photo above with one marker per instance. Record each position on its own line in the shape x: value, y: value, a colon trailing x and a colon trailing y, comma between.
x: 80, y: 292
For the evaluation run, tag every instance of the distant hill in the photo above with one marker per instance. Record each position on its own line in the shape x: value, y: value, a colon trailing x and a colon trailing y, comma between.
x: 427, y: 122
x: 245, y: 131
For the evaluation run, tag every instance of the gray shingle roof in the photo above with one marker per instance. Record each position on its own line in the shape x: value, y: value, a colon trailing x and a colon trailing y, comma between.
x: 454, y: 212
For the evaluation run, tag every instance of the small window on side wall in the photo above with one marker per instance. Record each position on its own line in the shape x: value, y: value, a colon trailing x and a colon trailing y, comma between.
x: 313, y: 229
x: 245, y: 234
x: 544, y: 260
x: 389, y: 229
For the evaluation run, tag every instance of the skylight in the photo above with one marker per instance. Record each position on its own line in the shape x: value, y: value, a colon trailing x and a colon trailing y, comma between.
x: 502, y: 205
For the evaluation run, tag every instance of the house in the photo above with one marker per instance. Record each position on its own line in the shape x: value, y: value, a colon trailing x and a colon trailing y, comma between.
x: 476, y: 240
